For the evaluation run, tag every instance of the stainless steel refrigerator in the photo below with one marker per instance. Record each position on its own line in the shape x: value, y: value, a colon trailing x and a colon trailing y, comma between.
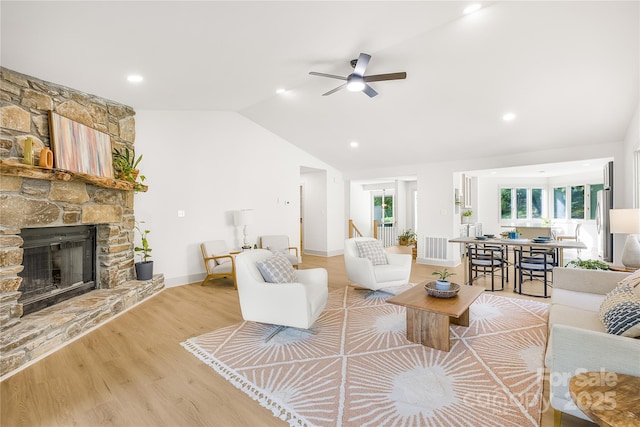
x: 604, y: 203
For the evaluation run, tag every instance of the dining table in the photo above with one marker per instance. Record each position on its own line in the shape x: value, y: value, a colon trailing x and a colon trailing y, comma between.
x: 558, y: 245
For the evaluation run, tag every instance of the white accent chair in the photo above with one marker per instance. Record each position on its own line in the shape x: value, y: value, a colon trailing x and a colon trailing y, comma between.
x: 363, y: 273
x: 296, y: 305
x: 218, y: 261
x: 279, y: 243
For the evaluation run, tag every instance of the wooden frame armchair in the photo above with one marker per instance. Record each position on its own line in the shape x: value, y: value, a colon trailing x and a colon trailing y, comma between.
x: 218, y: 261
x: 280, y: 243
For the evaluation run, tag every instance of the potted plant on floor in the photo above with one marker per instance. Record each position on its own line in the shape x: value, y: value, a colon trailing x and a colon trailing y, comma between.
x: 144, y: 268
x: 407, y: 238
x: 442, y: 283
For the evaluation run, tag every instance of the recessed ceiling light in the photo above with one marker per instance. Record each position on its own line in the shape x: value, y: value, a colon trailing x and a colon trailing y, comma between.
x: 354, y: 144
x: 134, y: 78
x: 280, y: 91
x: 472, y: 8
x: 508, y: 117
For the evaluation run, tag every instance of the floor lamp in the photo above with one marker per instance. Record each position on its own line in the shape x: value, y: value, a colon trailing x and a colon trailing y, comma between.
x: 242, y: 218
x: 627, y: 221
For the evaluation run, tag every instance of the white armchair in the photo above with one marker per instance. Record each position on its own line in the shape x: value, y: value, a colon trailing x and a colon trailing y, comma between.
x: 363, y: 272
x: 280, y: 243
x: 218, y: 262
x: 296, y: 305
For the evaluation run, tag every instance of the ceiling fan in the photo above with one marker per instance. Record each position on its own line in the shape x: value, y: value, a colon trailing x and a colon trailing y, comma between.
x: 357, y: 81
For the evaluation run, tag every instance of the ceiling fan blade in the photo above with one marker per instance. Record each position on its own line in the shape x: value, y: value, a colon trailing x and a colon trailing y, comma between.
x: 381, y: 77
x: 361, y: 65
x: 369, y: 91
x: 332, y: 76
x: 335, y: 90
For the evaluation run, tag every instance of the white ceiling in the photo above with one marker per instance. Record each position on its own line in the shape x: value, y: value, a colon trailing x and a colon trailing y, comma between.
x: 568, y: 69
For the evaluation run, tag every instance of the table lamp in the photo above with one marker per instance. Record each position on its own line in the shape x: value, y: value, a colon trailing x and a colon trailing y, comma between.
x: 242, y: 218
x: 627, y: 221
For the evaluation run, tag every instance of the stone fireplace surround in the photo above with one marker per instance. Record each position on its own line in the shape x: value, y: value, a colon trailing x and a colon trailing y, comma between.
x: 32, y: 197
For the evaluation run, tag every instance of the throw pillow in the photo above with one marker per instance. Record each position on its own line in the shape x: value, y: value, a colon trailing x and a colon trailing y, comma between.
x: 633, y: 280
x: 373, y: 250
x: 276, y: 269
x: 283, y: 251
x: 620, y: 312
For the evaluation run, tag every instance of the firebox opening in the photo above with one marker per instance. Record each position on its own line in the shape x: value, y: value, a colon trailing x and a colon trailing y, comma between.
x: 59, y: 263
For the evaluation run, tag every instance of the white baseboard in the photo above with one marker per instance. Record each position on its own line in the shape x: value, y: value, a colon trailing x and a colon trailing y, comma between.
x: 438, y: 262
x: 184, y: 280
x: 323, y: 253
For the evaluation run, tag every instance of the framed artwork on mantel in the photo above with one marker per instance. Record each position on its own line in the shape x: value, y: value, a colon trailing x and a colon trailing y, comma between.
x: 79, y: 148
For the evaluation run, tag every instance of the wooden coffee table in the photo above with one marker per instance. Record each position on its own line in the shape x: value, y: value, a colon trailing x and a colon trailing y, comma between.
x: 428, y: 317
x: 608, y: 398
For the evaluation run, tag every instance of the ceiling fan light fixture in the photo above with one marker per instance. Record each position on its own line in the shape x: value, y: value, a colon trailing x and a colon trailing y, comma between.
x: 355, y: 84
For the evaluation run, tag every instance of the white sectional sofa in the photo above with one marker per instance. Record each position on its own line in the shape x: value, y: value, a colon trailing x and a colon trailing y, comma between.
x: 578, y: 340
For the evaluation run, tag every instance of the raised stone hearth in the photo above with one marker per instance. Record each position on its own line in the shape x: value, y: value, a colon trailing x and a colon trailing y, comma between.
x: 32, y: 197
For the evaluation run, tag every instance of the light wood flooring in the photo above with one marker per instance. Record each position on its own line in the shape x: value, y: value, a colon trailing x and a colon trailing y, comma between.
x: 133, y: 371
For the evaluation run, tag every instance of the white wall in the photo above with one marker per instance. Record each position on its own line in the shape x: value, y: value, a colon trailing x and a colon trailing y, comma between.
x: 360, y: 209
x: 210, y: 164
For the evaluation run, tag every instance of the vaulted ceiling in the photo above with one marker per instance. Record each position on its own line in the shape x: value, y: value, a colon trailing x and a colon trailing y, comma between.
x: 569, y: 70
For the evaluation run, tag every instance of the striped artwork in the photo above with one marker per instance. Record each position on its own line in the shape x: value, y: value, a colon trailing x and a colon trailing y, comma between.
x: 358, y: 369
x: 79, y: 148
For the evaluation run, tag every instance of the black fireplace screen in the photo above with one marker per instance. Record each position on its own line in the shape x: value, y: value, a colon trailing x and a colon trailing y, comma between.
x: 59, y: 263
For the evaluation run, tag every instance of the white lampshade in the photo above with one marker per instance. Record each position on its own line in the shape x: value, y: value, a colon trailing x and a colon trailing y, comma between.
x: 242, y: 217
x: 625, y: 221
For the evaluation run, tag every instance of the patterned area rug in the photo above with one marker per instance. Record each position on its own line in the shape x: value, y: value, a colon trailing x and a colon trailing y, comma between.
x: 358, y: 369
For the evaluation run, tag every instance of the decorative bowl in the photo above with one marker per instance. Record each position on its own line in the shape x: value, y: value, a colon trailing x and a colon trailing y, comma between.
x: 489, y: 236
x: 481, y: 238
x: 432, y: 291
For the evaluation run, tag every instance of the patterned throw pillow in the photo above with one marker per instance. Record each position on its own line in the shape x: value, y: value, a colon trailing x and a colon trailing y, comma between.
x: 276, y: 269
x: 373, y: 250
x: 620, y: 312
x: 632, y: 280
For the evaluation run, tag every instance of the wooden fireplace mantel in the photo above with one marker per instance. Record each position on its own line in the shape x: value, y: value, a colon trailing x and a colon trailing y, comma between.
x: 15, y: 168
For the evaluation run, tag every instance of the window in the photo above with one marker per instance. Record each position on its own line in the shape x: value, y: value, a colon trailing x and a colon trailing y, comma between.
x: 536, y: 203
x: 577, y: 202
x: 383, y: 212
x: 505, y: 203
x: 560, y: 202
x: 521, y: 203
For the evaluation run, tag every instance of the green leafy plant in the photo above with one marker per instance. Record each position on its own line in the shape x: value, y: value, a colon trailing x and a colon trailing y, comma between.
x: 467, y: 213
x: 125, y: 164
x: 144, y: 250
x: 589, y: 264
x: 443, y: 274
x: 408, y: 237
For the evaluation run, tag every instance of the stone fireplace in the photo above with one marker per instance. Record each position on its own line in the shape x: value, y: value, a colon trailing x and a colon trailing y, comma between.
x: 58, y: 263
x: 34, y: 199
